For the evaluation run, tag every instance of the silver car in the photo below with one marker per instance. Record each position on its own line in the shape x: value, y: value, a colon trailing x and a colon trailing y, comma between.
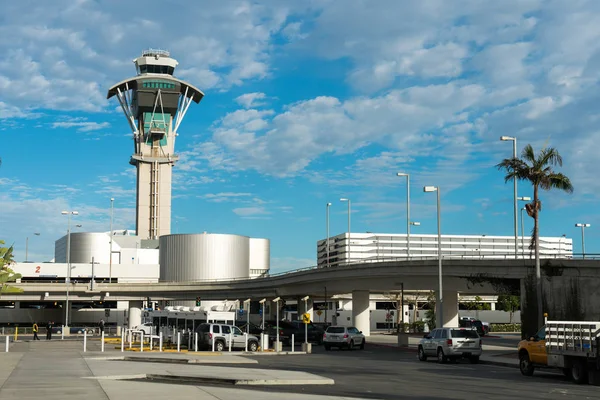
x: 451, y: 344
x: 222, y: 334
x: 343, y: 337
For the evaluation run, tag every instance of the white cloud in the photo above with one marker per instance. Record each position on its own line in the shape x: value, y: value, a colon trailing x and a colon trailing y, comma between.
x: 224, y: 196
x: 250, y: 100
x: 82, y: 126
x: 251, y: 212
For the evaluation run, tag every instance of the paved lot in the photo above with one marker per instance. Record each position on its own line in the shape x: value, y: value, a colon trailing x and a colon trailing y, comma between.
x: 60, y: 370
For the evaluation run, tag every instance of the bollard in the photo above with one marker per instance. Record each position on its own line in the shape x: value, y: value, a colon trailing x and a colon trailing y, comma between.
x: 178, y: 342
x: 196, y: 341
x: 246, y: 341
x: 230, y: 340
x: 142, y: 342
x: 160, y: 340
x: 102, y: 347
x: 292, y: 342
x: 122, y: 341
x: 151, y: 342
x: 62, y: 333
x: 84, y: 341
x: 189, y: 340
x: 262, y: 341
x: 7, y: 341
x: 213, y: 344
x: 16, y: 333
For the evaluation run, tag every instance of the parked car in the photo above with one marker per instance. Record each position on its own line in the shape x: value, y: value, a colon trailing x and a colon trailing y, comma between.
x: 221, y: 335
x: 451, y: 344
x: 469, y: 322
x: 343, y: 337
x: 254, y: 329
x: 315, y: 332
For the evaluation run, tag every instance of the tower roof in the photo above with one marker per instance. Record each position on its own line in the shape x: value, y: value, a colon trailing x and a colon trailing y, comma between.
x: 131, y: 83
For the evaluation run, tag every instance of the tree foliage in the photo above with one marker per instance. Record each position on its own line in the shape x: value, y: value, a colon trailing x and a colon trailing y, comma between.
x: 509, y: 303
x: 6, y: 273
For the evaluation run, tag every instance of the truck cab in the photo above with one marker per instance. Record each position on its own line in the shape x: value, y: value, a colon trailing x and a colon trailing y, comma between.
x: 532, y: 352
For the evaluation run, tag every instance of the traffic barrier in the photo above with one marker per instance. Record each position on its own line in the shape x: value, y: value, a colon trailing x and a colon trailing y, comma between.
x: 160, y: 342
x: 196, y: 341
x: 142, y: 342
x: 84, y: 341
x: 7, y: 342
x: 102, y: 345
x: 292, y: 342
x: 230, y: 340
x: 246, y: 341
x: 178, y: 341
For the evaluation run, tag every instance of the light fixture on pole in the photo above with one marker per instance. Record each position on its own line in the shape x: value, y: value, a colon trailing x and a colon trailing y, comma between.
x: 327, y: 240
x: 305, y: 299
x: 440, y: 308
x: 514, y: 140
x: 247, y: 307
x: 276, y: 301
x: 583, y: 226
x: 407, y: 212
x: 27, y: 247
x: 112, y: 201
x: 522, y: 234
x: 349, y: 212
x: 68, y: 277
x: 523, y: 198
x: 263, y: 301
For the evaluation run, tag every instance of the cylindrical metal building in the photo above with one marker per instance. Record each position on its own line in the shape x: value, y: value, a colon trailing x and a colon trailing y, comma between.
x: 205, y: 256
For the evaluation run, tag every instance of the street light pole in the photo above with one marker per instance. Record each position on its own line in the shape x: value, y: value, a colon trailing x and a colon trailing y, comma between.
x: 440, y: 310
x: 27, y: 247
x: 524, y: 198
x: 68, y: 278
x: 112, y: 201
x: 327, y: 240
x: 407, y: 212
x: 514, y: 140
x: 583, y: 226
x: 349, y: 212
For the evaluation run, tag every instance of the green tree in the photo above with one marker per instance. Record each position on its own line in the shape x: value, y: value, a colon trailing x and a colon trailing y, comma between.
x: 538, y: 170
x: 430, y: 313
x: 6, y: 273
x: 509, y: 303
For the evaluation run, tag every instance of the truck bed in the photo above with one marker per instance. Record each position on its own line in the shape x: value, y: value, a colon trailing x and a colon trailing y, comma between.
x: 573, y: 338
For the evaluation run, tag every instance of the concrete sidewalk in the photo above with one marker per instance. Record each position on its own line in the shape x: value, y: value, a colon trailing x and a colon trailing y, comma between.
x: 61, y: 370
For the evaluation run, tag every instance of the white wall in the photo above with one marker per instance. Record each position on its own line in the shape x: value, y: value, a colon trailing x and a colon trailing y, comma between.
x: 124, y: 272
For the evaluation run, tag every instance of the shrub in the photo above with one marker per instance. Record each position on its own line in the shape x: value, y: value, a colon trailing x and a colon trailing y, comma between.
x: 505, y: 327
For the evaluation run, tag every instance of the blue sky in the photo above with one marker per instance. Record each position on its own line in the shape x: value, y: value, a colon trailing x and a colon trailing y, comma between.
x: 306, y: 102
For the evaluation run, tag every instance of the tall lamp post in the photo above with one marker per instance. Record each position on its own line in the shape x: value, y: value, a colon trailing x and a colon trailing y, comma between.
x: 349, y: 211
x: 524, y: 198
x: 440, y: 310
x: 583, y: 226
x: 68, y: 278
x: 514, y: 140
x: 327, y: 240
x: 407, y: 212
x: 112, y: 201
x: 27, y: 247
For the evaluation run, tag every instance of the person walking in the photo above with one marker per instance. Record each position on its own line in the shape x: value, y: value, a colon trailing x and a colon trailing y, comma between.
x: 35, y: 331
x: 49, y: 330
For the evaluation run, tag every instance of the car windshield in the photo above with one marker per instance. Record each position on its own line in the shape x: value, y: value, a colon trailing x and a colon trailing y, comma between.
x: 335, y: 329
x: 464, y: 333
x: 541, y: 335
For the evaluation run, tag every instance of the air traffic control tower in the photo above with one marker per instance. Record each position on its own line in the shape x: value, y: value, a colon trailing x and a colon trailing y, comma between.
x: 154, y: 103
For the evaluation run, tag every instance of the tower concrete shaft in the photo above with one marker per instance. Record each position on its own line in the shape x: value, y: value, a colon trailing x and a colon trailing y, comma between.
x: 154, y: 103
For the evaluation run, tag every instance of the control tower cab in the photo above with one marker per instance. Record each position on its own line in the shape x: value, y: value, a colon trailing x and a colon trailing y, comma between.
x: 154, y: 103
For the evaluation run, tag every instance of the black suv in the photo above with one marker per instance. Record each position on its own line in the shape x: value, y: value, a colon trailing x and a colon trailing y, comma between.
x: 473, y: 323
x: 296, y: 328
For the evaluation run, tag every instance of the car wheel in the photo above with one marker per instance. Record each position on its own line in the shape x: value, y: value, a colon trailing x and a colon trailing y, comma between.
x: 219, y: 346
x: 351, y: 345
x: 441, y: 357
x: 362, y: 345
x: 327, y: 347
x: 525, y: 365
x: 579, y: 372
x: 253, y: 346
x: 474, y: 359
x: 422, y: 355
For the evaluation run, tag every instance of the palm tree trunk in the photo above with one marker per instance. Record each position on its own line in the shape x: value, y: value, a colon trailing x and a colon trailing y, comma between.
x: 538, y: 276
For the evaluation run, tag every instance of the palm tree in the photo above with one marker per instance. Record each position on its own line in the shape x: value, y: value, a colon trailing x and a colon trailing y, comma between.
x: 538, y: 170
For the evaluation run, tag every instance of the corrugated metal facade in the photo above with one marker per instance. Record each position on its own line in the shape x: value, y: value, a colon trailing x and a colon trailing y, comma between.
x: 84, y: 246
x: 260, y: 257
x: 207, y: 256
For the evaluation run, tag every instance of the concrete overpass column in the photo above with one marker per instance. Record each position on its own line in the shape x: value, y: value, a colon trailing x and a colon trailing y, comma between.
x: 308, y: 309
x: 135, y: 313
x: 450, y: 308
x: 361, y: 317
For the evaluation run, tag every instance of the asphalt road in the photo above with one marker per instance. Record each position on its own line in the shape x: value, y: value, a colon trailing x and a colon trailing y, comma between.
x: 388, y: 373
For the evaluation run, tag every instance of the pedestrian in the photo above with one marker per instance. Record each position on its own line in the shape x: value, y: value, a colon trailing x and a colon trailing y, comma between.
x: 35, y: 331
x: 101, y: 324
x: 49, y: 330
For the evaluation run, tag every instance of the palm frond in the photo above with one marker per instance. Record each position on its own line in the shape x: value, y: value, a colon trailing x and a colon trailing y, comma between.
x: 550, y: 156
x: 557, y: 181
x: 528, y: 154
